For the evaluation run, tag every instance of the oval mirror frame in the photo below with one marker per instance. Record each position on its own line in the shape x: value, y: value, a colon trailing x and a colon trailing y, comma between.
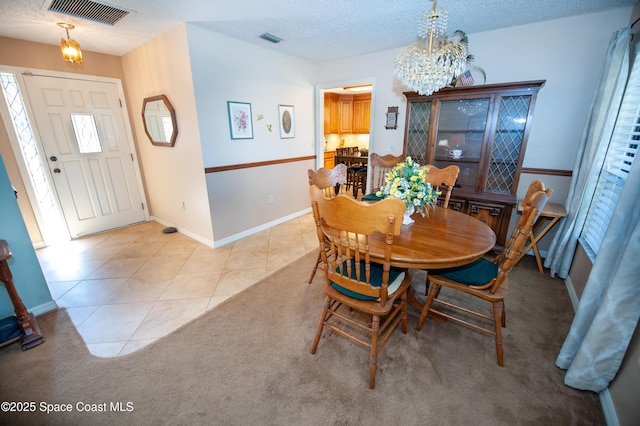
x: 155, y: 111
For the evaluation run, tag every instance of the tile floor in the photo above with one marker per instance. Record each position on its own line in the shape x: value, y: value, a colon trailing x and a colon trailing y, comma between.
x: 124, y: 289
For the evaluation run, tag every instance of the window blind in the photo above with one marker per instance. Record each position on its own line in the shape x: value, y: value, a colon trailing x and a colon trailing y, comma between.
x: 622, y: 150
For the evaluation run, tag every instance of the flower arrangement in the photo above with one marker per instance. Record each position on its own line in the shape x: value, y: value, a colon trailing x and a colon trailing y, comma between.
x: 406, y: 181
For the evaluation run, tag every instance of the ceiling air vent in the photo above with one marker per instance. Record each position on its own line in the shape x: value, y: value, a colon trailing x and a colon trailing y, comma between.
x: 87, y: 9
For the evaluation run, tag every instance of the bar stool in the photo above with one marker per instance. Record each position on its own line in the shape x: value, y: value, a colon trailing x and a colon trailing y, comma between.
x: 357, y: 179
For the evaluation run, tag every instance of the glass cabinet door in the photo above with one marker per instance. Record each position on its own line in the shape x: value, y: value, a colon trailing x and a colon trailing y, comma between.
x: 507, y: 143
x: 459, y: 138
x: 417, y: 136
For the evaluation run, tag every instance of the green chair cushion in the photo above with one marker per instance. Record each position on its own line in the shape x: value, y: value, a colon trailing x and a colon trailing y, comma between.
x: 395, y: 279
x: 371, y: 197
x: 476, y: 273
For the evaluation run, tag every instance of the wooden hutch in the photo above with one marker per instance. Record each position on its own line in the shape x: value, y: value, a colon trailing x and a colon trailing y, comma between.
x: 490, y: 124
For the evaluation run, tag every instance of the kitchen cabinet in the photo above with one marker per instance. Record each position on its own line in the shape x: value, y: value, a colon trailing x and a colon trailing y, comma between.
x: 331, y: 113
x: 361, y: 113
x: 490, y: 124
x: 329, y: 159
x: 346, y: 113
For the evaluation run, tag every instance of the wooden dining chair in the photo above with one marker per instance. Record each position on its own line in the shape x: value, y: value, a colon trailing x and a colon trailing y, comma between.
x: 355, y: 283
x: 535, y: 186
x: 331, y: 182
x: 442, y: 180
x: 379, y: 166
x: 484, y: 280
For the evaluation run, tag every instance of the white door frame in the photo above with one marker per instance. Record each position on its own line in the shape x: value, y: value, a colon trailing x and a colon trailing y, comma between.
x: 19, y: 73
x: 320, y: 89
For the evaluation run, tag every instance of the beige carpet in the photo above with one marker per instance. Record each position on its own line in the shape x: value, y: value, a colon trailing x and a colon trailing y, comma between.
x: 247, y: 362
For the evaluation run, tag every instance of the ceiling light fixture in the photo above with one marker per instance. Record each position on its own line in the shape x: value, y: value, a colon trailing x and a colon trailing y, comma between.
x: 358, y: 88
x: 270, y: 37
x: 431, y: 63
x: 70, y: 48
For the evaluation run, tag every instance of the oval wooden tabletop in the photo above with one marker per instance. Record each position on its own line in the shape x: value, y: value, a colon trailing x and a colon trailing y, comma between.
x: 444, y: 239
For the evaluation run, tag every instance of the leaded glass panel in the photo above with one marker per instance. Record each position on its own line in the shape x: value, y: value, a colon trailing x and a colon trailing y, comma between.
x: 510, y: 126
x: 418, y: 131
x: 27, y: 142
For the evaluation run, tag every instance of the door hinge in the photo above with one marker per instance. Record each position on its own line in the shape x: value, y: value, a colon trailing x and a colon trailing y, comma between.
x: 142, y: 206
x: 27, y: 74
x: 120, y: 101
x: 131, y: 157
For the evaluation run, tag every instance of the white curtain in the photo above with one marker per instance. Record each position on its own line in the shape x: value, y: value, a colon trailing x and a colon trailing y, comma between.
x: 609, y: 307
x: 591, y: 153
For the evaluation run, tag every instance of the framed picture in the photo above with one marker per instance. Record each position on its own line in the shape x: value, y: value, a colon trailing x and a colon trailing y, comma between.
x: 287, y: 121
x: 240, y: 123
x: 392, y: 118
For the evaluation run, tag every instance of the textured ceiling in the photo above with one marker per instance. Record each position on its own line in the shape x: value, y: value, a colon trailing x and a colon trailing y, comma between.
x: 319, y: 30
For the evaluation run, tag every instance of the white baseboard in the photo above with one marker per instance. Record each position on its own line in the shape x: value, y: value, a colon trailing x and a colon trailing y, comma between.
x: 184, y: 231
x: 240, y: 235
x: 605, y: 396
x: 44, y: 308
x: 608, y: 408
x: 572, y: 293
x: 230, y: 239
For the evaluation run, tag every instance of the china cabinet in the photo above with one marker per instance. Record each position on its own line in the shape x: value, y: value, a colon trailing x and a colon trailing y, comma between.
x: 483, y: 130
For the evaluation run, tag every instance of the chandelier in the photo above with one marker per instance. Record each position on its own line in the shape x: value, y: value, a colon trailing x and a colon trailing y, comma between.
x: 70, y: 48
x: 432, y: 63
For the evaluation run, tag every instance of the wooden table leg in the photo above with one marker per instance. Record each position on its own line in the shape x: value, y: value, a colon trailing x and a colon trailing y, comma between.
x: 413, y: 301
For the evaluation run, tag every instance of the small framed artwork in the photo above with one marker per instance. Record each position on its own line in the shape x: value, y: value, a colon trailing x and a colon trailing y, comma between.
x: 287, y: 121
x: 240, y: 123
x: 392, y: 118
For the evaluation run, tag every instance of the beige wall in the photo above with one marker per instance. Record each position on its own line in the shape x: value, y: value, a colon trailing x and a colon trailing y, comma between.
x: 30, y: 56
x: 224, y: 69
x: 173, y: 175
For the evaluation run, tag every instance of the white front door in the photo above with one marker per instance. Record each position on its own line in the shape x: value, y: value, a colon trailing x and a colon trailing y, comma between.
x: 88, y: 152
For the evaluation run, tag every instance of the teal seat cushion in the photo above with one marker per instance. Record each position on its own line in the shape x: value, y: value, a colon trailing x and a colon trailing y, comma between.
x: 9, y: 328
x: 395, y: 279
x: 371, y: 197
x: 477, y: 273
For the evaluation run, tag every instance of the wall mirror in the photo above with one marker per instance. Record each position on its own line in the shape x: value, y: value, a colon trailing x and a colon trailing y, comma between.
x: 159, y: 120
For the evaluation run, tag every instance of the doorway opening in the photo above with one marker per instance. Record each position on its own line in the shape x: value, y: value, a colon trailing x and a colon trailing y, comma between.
x: 347, y: 128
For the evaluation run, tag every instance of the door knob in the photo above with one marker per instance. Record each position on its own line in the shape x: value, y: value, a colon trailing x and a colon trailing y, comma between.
x: 53, y: 158
x: 56, y: 170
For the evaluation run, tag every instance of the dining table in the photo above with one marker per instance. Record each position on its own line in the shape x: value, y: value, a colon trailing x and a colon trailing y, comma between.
x: 443, y: 239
